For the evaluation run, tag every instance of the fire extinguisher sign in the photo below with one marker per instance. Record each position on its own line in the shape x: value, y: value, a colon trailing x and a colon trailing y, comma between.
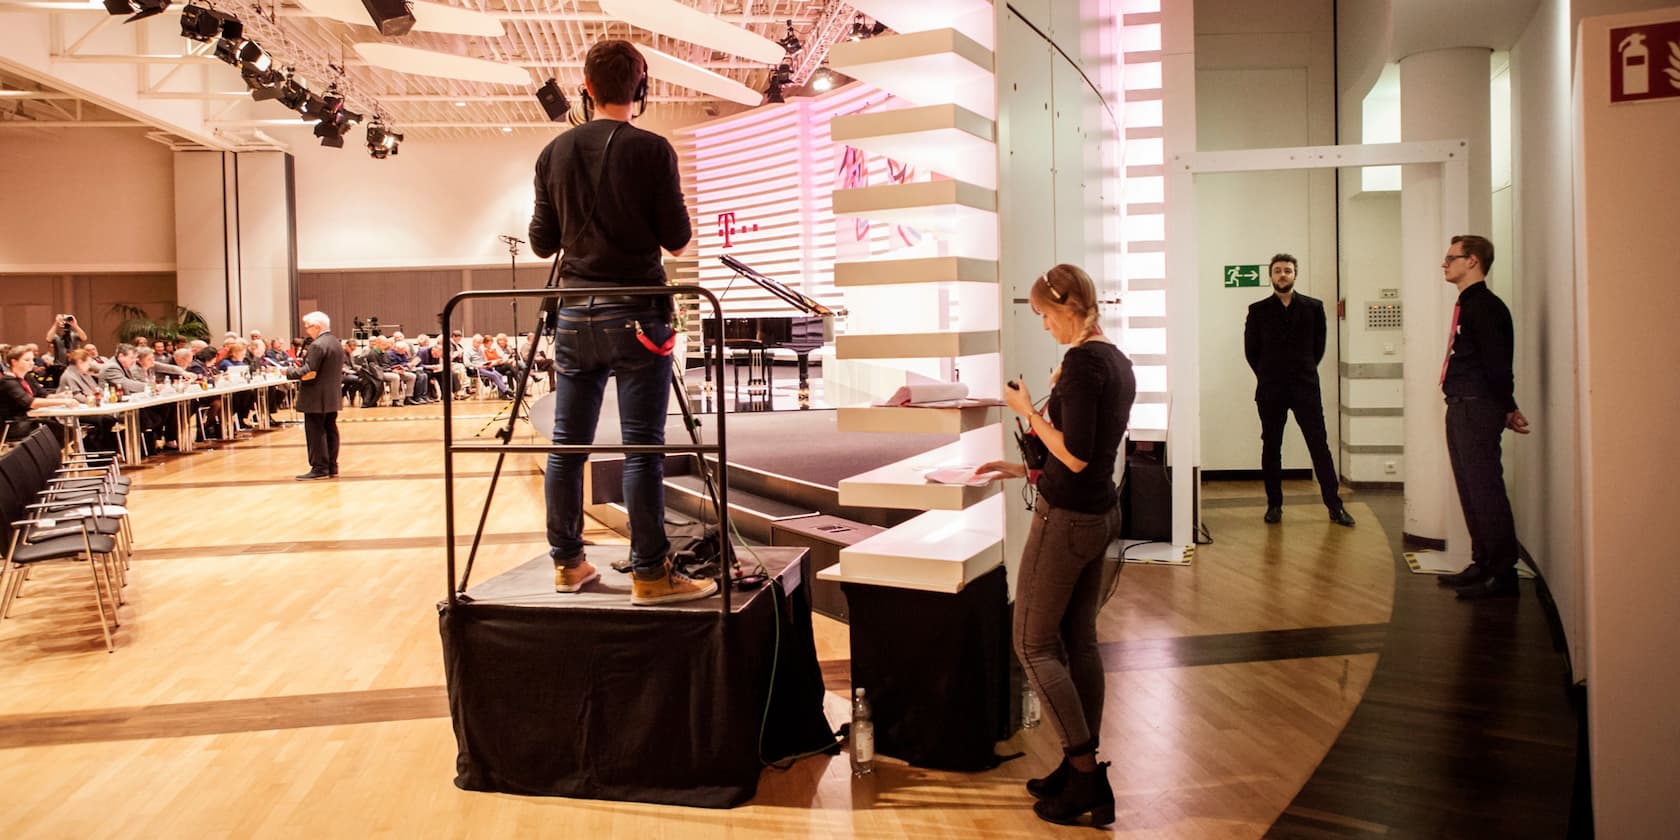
x: 1645, y: 62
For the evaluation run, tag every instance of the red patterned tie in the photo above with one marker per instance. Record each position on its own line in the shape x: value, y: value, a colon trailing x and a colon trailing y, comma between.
x: 1451, y: 334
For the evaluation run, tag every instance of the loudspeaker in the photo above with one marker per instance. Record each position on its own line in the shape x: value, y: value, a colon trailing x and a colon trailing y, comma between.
x: 393, y: 17
x: 553, y: 100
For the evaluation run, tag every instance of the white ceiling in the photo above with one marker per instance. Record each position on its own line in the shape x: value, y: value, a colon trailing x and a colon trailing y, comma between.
x: 545, y: 38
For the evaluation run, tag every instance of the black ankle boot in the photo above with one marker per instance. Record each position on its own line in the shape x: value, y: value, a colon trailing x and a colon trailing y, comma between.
x: 1083, y: 792
x: 1052, y: 784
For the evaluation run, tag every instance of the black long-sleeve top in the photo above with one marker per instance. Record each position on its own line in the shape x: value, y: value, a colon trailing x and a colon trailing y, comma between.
x: 611, y: 233
x: 1091, y: 406
x: 1284, y: 345
x: 16, y: 398
x: 1480, y: 363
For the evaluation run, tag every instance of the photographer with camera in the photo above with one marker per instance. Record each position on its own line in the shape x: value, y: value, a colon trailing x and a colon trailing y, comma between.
x: 1059, y: 591
x: 610, y: 197
x: 65, y: 335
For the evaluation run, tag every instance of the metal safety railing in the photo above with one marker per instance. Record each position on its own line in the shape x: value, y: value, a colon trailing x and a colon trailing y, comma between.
x: 457, y: 586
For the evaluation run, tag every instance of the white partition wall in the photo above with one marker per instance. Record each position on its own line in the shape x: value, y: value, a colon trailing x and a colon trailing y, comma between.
x: 935, y: 305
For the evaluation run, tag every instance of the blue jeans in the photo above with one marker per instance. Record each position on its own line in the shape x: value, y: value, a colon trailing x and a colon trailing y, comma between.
x: 590, y: 344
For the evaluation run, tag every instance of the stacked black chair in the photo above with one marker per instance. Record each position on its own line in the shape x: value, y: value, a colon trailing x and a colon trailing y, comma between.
x: 69, y: 510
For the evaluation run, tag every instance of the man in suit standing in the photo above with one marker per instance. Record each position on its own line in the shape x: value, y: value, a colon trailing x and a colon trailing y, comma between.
x: 1284, y: 341
x: 320, y: 376
x: 1480, y: 391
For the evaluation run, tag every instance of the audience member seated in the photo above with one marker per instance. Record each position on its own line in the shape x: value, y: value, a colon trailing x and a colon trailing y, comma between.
x: 480, y: 366
x: 18, y: 396
x: 80, y: 383
x: 370, y: 361
x: 244, y: 402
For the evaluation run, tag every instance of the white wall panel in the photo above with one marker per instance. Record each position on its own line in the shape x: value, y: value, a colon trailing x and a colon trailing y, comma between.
x: 85, y: 200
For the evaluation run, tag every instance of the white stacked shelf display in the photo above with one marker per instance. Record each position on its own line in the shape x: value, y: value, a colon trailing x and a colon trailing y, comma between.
x: 947, y: 130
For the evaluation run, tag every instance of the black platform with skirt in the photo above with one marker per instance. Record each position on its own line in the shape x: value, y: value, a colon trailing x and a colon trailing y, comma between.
x: 583, y: 695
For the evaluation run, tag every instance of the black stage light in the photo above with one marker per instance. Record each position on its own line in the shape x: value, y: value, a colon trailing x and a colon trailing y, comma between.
x: 381, y: 141
x: 228, y: 51
x: 264, y: 84
x: 252, y: 55
x: 332, y: 129
x: 553, y: 100
x: 140, y: 8
x: 863, y: 31
x: 201, y: 23
x: 782, y: 75
x: 790, y: 42
x: 293, y: 94
x: 394, y: 18
x: 232, y: 29
x: 322, y: 107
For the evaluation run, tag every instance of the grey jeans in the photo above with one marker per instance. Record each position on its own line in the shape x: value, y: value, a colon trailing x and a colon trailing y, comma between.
x: 1058, y: 592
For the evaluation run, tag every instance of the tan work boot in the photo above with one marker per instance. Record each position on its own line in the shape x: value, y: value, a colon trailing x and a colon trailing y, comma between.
x: 669, y: 588
x: 573, y: 579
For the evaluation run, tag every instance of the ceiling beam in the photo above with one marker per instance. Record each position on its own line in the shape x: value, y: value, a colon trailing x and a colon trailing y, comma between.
x: 72, y: 124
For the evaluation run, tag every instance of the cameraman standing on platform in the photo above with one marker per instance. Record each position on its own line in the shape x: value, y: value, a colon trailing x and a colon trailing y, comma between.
x: 608, y: 196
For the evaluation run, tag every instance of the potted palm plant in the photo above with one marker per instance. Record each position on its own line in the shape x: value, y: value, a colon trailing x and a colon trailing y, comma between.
x: 135, y: 322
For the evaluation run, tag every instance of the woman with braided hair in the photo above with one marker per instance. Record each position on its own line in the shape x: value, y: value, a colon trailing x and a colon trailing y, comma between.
x: 1058, y: 589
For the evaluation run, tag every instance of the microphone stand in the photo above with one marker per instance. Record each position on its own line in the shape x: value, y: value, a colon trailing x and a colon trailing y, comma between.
x: 513, y: 243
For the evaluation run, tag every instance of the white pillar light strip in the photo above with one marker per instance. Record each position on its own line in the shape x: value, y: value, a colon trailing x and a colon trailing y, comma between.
x: 442, y: 65
x: 669, y: 68
x: 674, y: 20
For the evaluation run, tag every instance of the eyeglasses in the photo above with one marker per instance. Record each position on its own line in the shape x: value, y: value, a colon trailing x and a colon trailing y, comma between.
x: 1450, y: 257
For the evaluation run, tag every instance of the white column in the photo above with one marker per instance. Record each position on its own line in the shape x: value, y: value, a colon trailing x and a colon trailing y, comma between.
x: 1443, y: 95
x: 206, y: 241
x: 233, y: 241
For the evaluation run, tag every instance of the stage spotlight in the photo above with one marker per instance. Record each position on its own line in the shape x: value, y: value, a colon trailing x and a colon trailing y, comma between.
x: 253, y: 56
x: 201, y: 23
x: 863, y: 31
x: 264, y: 84
x: 782, y: 75
x: 140, y: 8
x: 382, y: 141
x: 822, y: 80
x: 293, y: 94
x: 332, y: 129
x: 323, y: 108
x: 227, y: 51
x: 790, y: 42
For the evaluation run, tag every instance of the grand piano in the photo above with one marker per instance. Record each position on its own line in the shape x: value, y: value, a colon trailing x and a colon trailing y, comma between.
x: 759, y: 336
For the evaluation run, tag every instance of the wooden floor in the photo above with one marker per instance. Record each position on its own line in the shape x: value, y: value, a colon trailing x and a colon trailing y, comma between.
x: 278, y: 671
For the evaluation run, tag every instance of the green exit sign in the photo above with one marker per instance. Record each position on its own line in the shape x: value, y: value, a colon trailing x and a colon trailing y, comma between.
x: 1243, y: 275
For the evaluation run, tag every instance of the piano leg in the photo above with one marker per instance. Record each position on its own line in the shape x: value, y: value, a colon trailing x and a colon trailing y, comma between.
x: 804, y: 380
x: 706, y: 354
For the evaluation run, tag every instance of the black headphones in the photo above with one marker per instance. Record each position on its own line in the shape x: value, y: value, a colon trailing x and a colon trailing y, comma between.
x: 639, y: 96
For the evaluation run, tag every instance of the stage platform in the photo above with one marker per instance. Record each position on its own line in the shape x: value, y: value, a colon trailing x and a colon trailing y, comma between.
x: 583, y: 695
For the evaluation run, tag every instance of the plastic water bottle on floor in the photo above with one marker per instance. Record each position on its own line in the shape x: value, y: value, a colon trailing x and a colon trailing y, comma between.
x: 1030, y: 712
x: 863, y: 735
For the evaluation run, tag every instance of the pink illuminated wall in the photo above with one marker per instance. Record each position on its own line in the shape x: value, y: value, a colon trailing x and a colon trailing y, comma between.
x: 760, y: 184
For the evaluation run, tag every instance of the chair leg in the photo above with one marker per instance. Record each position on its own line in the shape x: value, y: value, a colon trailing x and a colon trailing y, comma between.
x: 9, y: 576
x: 14, y: 584
x: 99, y: 602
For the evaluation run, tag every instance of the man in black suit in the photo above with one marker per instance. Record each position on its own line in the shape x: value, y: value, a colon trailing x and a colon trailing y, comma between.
x: 320, y: 376
x: 1284, y: 342
x: 1480, y: 391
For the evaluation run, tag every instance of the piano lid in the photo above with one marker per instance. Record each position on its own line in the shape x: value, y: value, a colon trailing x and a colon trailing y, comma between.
x: 776, y: 287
